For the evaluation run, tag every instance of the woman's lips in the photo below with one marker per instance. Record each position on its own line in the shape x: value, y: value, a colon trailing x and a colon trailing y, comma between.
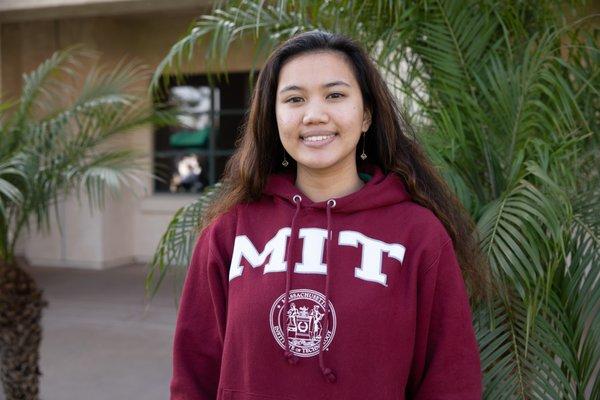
x: 318, y: 143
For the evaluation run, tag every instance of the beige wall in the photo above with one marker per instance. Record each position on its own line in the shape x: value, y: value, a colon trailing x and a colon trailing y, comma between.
x: 128, y: 229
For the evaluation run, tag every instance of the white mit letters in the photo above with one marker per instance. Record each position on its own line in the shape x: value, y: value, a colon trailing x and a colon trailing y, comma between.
x: 313, y: 245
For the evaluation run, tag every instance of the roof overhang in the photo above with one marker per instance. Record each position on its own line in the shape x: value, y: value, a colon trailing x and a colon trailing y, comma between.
x: 28, y: 10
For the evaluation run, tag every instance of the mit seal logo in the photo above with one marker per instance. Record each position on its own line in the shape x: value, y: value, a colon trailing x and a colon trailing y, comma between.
x: 306, y: 313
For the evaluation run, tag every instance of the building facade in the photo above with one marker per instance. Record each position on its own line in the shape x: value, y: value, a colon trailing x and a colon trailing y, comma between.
x: 187, y: 157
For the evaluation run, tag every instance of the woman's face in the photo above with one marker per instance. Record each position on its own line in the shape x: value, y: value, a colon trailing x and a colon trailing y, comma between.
x: 320, y: 112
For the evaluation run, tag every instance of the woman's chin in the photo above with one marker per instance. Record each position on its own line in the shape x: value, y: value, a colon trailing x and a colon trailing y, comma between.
x: 316, y: 164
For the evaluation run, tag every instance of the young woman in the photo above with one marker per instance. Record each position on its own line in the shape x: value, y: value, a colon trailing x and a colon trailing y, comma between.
x: 330, y: 266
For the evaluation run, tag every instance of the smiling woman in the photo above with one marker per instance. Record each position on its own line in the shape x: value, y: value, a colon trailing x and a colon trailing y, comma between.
x: 320, y: 122
x: 325, y: 270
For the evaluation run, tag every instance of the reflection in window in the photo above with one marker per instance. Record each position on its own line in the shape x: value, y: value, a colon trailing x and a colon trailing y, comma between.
x: 192, y: 154
x: 193, y: 114
x: 193, y: 107
x: 188, y: 177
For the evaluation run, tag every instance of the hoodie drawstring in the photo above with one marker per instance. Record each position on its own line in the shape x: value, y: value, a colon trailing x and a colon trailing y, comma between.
x: 291, y: 357
x: 327, y: 372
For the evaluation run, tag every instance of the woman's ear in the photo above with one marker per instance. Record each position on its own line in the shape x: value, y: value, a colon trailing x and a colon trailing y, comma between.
x: 366, y: 120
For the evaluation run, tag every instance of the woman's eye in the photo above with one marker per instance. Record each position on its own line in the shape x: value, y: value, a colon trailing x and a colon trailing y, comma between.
x: 296, y: 99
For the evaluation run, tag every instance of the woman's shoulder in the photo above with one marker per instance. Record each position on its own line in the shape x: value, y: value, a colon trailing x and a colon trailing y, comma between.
x: 423, y: 232
x: 224, y: 221
x: 218, y: 234
x: 419, y: 218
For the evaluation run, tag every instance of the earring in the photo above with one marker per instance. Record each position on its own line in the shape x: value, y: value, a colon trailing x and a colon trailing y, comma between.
x: 363, y: 155
x: 285, y: 162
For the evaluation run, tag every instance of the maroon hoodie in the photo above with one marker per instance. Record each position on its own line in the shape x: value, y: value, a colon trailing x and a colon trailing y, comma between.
x: 378, y: 311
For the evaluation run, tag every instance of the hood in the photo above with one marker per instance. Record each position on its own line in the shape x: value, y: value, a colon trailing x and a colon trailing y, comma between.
x: 381, y: 189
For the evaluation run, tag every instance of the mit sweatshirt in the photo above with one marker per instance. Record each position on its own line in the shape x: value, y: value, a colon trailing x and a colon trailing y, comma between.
x: 275, y: 308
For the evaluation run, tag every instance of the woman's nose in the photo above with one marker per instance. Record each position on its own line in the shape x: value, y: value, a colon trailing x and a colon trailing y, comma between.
x: 315, y: 113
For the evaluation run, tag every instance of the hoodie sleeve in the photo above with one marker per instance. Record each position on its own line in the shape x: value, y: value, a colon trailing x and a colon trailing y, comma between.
x: 446, y: 363
x: 200, y: 328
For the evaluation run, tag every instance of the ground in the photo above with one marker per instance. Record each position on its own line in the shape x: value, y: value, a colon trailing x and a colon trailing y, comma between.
x: 99, y: 340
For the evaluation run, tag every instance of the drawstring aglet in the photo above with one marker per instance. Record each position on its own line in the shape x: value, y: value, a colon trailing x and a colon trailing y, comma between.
x: 291, y: 357
x: 329, y: 375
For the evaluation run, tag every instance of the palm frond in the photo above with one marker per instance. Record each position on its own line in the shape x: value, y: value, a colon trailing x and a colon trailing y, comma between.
x: 579, y: 287
x: 520, y: 230
x: 529, y: 99
x: 220, y: 30
x: 111, y: 171
x: 60, y: 135
x: 515, y: 367
x: 454, y: 41
x: 176, y: 244
x: 9, y: 172
x: 33, y: 83
x: 269, y: 24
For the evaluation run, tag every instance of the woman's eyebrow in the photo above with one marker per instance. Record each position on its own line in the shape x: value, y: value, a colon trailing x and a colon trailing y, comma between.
x: 326, y: 85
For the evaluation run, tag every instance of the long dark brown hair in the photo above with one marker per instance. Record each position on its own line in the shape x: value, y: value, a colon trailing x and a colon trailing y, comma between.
x: 259, y: 150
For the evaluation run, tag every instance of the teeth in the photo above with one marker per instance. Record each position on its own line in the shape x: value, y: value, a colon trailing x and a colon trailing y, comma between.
x: 317, y: 138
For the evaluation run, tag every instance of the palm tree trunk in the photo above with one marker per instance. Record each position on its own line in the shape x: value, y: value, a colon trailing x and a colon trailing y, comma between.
x: 21, y: 305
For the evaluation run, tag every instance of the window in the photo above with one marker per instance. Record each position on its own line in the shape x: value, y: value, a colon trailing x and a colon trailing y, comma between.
x: 192, y: 154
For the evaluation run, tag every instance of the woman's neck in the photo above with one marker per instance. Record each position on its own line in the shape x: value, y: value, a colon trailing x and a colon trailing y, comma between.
x: 322, y: 185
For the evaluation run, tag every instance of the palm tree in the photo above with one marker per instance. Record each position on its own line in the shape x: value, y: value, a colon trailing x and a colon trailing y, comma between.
x: 53, y: 141
x: 504, y: 96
